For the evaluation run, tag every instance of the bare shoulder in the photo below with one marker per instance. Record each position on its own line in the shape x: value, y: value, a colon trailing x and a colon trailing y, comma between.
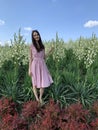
x: 31, y: 45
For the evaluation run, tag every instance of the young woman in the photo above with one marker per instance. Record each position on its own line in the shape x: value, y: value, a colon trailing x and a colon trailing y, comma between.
x: 38, y: 70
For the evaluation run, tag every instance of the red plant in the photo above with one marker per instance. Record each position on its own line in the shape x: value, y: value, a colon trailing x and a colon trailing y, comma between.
x: 74, y: 118
x: 7, y: 122
x: 29, y: 109
x: 47, y: 117
x: 95, y: 107
x: 51, y: 115
x: 10, y: 119
x: 94, y: 124
x: 76, y: 112
x: 20, y: 124
x: 7, y: 106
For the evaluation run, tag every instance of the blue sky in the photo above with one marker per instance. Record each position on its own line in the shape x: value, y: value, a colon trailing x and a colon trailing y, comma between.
x: 70, y: 18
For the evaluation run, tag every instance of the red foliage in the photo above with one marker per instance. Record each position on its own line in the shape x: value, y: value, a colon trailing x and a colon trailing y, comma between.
x: 10, y: 119
x: 76, y: 112
x: 29, y: 109
x: 74, y: 117
x: 94, y: 124
x: 47, y: 117
x: 7, y: 122
x: 95, y: 107
x: 7, y: 106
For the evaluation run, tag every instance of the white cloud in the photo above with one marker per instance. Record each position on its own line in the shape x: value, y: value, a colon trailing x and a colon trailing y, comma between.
x: 91, y: 23
x: 1, y: 43
x: 8, y: 42
x: 27, y: 28
x: 2, y: 22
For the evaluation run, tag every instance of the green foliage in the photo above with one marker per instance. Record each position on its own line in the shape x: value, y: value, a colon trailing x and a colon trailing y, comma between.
x: 83, y: 92
x: 9, y: 87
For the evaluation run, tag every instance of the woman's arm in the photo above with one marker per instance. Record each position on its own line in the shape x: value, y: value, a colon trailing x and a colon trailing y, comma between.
x: 30, y: 61
x: 49, y: 52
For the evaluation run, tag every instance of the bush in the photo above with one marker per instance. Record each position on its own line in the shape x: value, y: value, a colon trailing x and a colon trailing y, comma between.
x: 50, y: 116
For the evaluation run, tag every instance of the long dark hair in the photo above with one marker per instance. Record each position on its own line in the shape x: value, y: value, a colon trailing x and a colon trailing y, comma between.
x: 40, y: 42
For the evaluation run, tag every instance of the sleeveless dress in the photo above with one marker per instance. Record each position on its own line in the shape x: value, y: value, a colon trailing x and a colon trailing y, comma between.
x: 40, y: 73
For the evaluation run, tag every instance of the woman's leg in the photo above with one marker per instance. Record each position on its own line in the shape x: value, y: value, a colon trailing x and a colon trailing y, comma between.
x: 41, y: 94
x: 35, y: 93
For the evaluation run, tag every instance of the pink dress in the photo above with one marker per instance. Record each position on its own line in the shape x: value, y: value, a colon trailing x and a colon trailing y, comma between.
x: 40, y: 74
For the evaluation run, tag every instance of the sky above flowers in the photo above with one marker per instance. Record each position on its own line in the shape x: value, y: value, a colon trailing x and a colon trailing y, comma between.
x: 69, y: 18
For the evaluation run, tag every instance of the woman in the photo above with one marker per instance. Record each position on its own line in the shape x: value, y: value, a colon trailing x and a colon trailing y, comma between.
x: 38, y: 70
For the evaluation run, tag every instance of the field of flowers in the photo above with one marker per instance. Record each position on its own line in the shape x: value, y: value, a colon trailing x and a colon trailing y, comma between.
x: 74, y: 68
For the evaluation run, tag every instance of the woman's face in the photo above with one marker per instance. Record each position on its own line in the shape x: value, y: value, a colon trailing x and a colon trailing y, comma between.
x: 36, y: 36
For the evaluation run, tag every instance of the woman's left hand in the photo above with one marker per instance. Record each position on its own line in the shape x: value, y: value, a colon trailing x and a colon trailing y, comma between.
x: 52, y: 48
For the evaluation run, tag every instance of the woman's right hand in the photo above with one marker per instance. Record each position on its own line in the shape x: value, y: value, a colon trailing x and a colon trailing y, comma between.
x: 30, y: 73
